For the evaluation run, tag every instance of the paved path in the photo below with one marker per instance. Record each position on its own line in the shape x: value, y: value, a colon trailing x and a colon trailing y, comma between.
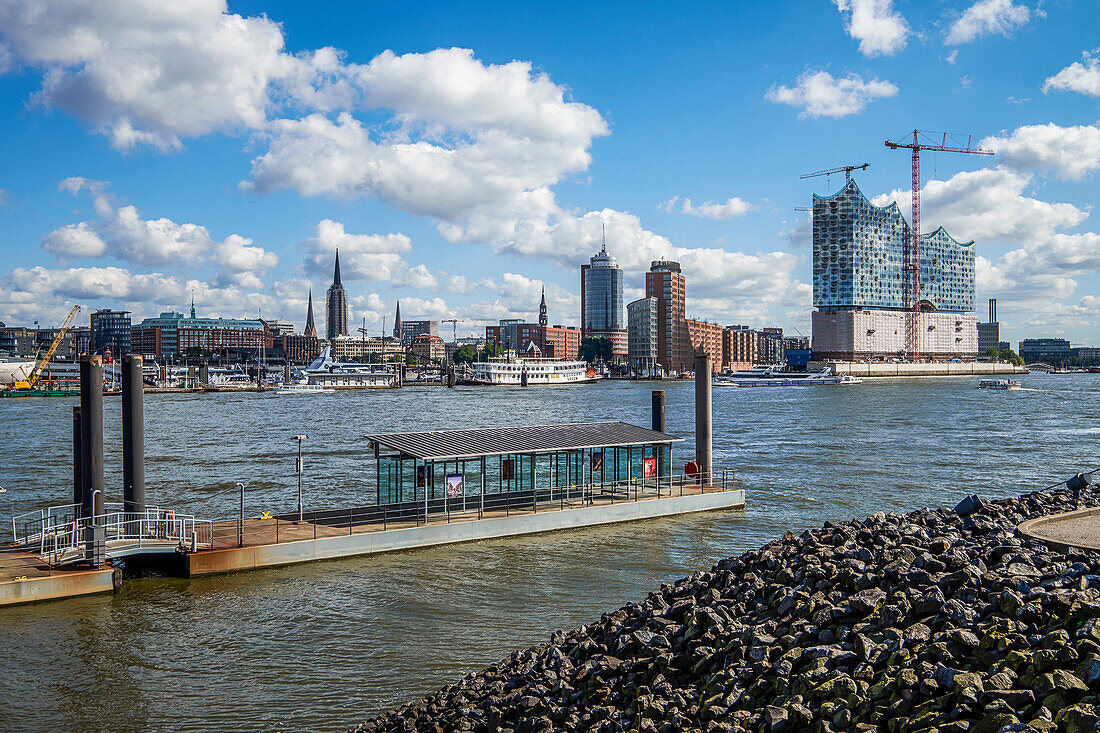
x: 1079, y: 528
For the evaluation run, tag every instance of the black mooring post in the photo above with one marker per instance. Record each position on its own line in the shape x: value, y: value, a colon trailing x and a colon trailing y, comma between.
x: 703, y: 420
x: 133, y: 436
x: 78, y: 465
x: 658, y: 405
x: 91, y: 430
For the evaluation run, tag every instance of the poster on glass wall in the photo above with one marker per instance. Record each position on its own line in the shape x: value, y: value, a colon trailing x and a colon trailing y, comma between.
x: 649, y: 467
x: 597, y: 461
x: 455, y: 485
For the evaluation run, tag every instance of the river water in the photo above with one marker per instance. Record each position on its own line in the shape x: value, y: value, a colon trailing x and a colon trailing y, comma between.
x: 323, y: 646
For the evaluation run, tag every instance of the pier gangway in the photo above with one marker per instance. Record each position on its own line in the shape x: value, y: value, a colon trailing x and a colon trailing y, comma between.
x: 59, y: 537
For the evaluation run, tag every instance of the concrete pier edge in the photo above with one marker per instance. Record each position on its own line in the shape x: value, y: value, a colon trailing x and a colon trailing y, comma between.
x: 1030, y: 528
x: 60, y: 585
x: 236, y: 559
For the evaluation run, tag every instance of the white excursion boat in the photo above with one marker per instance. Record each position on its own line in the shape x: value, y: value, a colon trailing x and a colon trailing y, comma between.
x: 773, y: 377
x: 326, y: 372
x: 303, y: 387
x: 526, y: 371
x: 999, y: 384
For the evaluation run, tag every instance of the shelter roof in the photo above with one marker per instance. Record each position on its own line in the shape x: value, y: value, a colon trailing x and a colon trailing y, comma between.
x: 473, y: 443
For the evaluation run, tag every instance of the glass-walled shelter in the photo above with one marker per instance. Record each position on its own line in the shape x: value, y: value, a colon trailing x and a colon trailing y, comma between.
x: 489, y: 468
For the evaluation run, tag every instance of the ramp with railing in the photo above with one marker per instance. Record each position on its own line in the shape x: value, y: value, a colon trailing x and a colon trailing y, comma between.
x: 59, y: 537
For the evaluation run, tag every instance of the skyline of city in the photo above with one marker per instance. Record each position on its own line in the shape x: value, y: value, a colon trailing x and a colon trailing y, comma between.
x: 131, y: 195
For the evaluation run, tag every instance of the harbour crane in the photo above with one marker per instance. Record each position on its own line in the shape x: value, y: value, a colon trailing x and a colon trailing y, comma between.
x: 829, y: 171
x: 44, y: 358
x: 911, y: 265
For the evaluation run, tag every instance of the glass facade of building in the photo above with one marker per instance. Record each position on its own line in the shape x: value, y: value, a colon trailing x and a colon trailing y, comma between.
x: 603, y: 294
x: 859, y: 251
x: 178, y: 333
x: 110, y: 331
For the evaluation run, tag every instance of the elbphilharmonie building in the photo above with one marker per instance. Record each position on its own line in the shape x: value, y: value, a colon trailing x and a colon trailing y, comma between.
x: 860, y: 284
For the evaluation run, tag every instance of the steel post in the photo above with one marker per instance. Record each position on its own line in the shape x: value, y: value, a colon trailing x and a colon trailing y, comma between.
x: 703, y: 417
x: 78, y: 480
x: 91, y: 430
x: 133, y: 435
x: 658, y: 410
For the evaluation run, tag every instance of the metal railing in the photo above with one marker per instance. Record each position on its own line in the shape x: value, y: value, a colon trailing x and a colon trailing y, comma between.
x: 475, y: 506
x: 61, y: 538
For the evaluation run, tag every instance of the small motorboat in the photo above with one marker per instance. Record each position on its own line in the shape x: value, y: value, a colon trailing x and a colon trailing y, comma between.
x: 303, y: 388
x: 999, y: 384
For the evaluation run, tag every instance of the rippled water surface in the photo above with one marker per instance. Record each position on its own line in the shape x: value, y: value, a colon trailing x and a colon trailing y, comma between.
x: 323, y: 646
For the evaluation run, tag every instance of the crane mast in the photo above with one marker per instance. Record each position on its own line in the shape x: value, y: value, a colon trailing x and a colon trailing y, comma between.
x: 911, y: 261
x: 44, y: 359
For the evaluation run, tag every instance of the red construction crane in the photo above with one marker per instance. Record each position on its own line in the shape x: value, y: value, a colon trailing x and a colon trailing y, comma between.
x: 912, y: 253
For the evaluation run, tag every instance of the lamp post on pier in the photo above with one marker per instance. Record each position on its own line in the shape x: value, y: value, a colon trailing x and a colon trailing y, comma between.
x: 298, y: 469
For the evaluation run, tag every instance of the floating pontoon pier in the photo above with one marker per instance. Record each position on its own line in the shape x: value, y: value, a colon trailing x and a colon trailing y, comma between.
x: 432, y: 488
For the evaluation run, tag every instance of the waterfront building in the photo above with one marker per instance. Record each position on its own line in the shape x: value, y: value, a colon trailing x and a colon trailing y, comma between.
x: 18, y: 341
x: 989, y: 334
x: 75, y: 342
x: 706, y: 337
x: 1088, y: 354
x: 772, y: 350
x: 1045, y: 350
x: 374, y: 349
x: 336, y: 305
x: 429, y: 347
x: 740, y: 348
x: 110, y: 331
x: 311, y: 328
x: 665, y: 282
x: 298, y: 348
x: 860, y: 285
x: 409, y: 330
x: 513, y: 334
x: 602, y: 301
x: 278, y: 328
x: 641, y: 336
x: 174, y: 334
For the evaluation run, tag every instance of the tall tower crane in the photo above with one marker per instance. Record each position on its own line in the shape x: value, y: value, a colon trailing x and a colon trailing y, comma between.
x: 830, y: 171
x: 912, y: 252
x: 454, y: 327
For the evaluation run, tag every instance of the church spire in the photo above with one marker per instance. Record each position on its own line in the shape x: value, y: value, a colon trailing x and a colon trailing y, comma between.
x: 336, y: 272
x: 397, y: 322
x: 544, y: 319
x: 311, y: 329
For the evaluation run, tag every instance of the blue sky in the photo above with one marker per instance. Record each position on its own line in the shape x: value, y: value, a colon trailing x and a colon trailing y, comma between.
x: 462, y: 156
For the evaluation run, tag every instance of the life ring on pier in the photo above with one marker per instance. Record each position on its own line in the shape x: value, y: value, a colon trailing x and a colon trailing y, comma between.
x: 169, y: 515
x: 692, y: 468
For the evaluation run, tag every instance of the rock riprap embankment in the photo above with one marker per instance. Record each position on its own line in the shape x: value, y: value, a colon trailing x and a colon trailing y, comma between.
x: 928, y: 621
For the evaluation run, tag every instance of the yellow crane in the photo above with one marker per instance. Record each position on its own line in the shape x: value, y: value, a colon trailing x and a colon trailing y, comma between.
x: 44, y: 358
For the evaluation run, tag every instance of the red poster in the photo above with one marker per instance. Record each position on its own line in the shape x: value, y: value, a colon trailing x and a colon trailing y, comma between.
x: 649, y: 467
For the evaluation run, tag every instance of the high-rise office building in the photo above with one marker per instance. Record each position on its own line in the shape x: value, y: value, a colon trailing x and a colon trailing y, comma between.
x: 336, y: 305
x: 860, y: 285
x: 110, y: 331
x: 602, y: 301
x: 641, y: 329
x: 665, y: 283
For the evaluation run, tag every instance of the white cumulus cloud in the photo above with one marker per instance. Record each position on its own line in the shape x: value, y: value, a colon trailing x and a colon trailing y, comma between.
x: 368, y: 257
x: 730, y: 209
x: 987, y: 17
x: 1081, y: 76
x: 1071, y: 153
x: 880, y: 29
x: 819, y: 94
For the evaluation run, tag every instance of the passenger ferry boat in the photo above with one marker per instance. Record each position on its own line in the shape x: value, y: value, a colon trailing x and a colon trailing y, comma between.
x: 999, y: 384
x: 772, y: 377
x: 325, y: 372
x: 303, y: 388
x: 524, y: 371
